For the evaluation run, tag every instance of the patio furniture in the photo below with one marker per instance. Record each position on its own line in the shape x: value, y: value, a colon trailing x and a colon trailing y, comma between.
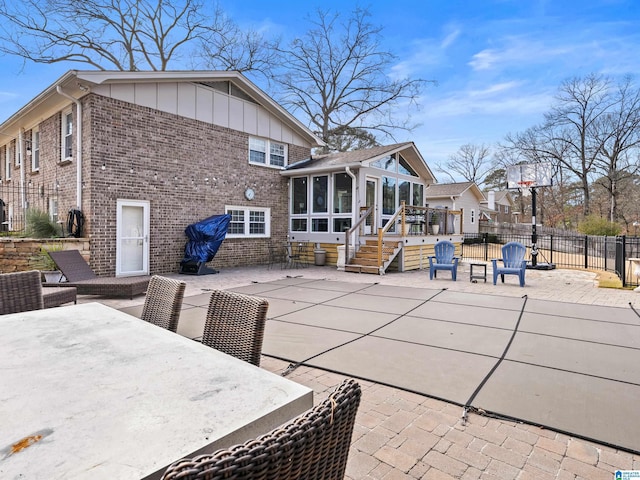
x: 90, y: 392
x: 482, y: 275
x: 297, y: 255
x: 235, y: 324
x: 20, y: 292
x: 79, y: 274
x: 444, y: 259
x: 163, y: 302
x: 54, y: 297
x: 277, y: 254
x: 513, y: 262
x: 313, y: 446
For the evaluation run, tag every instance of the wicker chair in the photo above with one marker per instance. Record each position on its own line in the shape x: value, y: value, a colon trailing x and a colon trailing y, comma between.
x: 79, y: 275
x: 20, y: 292
x: 315, y: 445
x: 163, y: 302
x: 235, y: 324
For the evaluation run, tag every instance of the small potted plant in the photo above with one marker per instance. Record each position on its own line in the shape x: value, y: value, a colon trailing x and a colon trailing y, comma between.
x: 435, y: 222
x: 42, y: 261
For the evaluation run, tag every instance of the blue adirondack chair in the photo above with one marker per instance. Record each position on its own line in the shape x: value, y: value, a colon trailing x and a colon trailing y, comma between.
x: 443, y: 259
x: 513, y: 262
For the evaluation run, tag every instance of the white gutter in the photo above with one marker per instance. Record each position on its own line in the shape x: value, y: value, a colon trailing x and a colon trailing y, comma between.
x: 311, y: 171
x: 78, y: 144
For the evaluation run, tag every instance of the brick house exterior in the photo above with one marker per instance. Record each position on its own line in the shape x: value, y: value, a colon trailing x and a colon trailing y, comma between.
x: 179, y: 142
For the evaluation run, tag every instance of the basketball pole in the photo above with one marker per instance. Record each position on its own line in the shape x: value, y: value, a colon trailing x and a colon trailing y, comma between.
x: 534, y: 235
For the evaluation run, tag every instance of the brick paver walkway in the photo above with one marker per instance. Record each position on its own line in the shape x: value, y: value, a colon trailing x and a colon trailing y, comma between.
x: 401, y: 435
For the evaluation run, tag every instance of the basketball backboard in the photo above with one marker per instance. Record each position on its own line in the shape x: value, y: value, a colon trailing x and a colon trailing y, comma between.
x: 533, y: 174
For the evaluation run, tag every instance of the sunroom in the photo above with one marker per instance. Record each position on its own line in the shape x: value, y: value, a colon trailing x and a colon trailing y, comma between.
x: 372, y: 204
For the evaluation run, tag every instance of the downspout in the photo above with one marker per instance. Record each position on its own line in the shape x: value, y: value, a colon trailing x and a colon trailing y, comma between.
x: 78, y: 144
x: 354, y: 208
x: 20, y: 147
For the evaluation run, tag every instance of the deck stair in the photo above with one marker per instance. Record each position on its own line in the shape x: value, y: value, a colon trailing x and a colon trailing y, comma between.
x: 366, y: 257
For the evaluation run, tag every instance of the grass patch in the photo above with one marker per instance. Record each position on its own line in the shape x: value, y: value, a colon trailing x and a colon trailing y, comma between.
x: 608, y: 280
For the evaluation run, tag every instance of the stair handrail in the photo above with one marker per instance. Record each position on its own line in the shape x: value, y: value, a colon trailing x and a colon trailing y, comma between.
x: 351, y: 231
x: 382, y: 230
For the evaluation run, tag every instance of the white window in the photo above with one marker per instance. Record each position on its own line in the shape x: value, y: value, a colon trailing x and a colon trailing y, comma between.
x: 53, y: 209
x: 266, y: 152
x: 249, y: 222
x: 7, y: 162
x: 506, y: 209
x: 35, y: 150
x: 67, y: 135
x: 473, y: 216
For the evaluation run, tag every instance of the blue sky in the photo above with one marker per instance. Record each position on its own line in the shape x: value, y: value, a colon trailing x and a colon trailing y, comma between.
x: 497, y: 63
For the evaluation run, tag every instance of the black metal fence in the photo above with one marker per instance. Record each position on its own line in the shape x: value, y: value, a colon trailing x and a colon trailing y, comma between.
x: 612, y: 254
x: 14, y: 201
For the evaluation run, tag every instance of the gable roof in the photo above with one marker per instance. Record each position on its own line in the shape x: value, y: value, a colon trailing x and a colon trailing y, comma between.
x: 503, y: 197
x: 359, y: 158
x: 78, y: 83
x: 448, y: 190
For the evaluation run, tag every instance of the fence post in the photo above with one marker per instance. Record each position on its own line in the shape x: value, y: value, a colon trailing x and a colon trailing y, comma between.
x: 586, y: 248
x: 621, y: 258
x: 485, y: 240
x: 551, y: 247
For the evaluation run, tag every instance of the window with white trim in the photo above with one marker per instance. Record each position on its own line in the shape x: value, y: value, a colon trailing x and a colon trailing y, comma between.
x: 35, y: 150
x: 248, y: 222
x: 473, y: 216
x: 67, y: 135
x: 7, y: 162
x: 266, y: 152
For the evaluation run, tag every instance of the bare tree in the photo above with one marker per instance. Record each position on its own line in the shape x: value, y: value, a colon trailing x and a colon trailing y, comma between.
x: 124, y: 35
x: 566, y: 138
x: 343, y: 139
x: 618, y: 135
x: 471, y: 162
x: 338, y: 75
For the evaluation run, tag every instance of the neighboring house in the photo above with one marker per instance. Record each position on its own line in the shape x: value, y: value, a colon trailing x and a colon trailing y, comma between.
x: 499, y: 207
x: 144, y: 154
x: 465, y: 196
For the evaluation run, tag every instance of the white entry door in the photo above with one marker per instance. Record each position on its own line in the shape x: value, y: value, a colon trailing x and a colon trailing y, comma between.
x: 132, y: 238
x: 371, y: 198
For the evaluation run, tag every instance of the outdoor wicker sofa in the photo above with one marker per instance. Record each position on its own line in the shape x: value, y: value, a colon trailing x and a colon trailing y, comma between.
x: 20, y: 292
x: 79, y: 274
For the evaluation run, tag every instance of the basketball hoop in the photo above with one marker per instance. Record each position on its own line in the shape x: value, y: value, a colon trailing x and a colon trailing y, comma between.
x: 525, y: 187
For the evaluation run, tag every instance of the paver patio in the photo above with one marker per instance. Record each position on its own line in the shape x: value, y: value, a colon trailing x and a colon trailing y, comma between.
x: 403, y: 435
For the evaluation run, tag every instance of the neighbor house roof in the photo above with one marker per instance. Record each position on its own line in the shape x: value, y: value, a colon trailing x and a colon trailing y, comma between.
x: 78, y: 83
x: 358, y: 158
x: 448, y: 190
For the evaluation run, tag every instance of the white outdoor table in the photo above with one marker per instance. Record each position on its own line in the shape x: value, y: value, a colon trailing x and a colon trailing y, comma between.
x: 89, y: 392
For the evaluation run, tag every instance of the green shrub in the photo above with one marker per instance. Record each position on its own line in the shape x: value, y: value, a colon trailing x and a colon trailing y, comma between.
x: 595, y: 225
x: 39, y: 225
x: 42, y: 260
